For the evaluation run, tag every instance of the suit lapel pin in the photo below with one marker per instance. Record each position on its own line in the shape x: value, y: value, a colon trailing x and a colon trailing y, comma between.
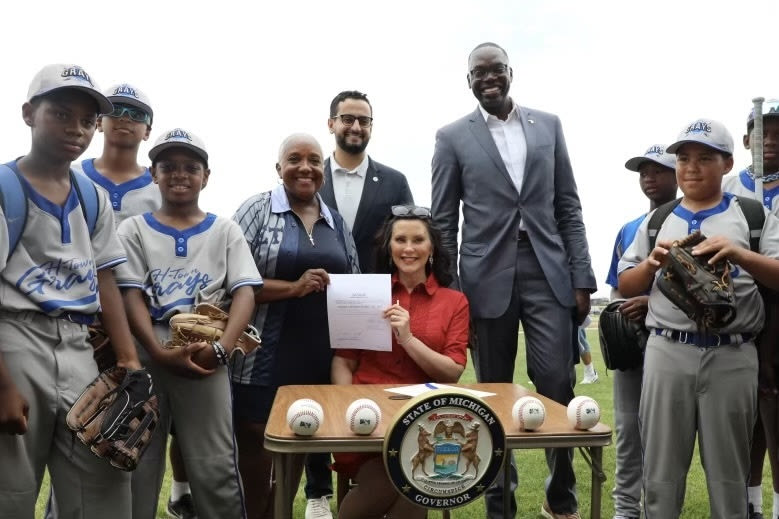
x: 375, y: 179
x: 531, y: 121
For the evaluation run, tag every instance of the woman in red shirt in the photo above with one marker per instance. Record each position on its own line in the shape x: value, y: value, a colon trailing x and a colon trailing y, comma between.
x: 430, y: 337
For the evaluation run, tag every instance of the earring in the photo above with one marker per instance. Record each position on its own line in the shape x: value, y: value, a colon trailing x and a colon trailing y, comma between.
x: 431, y: 260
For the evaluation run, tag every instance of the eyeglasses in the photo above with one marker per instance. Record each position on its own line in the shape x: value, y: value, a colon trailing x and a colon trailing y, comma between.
x: 135, y: 114
x: 348, y: 119
x: 481, y: 72
x: 411, y: 210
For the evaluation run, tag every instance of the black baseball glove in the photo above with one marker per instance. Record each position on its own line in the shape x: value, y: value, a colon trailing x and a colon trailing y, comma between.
x: 704, y: 292
x: 622, y: 340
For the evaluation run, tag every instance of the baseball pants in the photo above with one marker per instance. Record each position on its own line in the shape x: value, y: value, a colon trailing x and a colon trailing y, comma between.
x: 710, y: 393
x: 202, y: 411
x: 627, y: 476
x: 51, y: 363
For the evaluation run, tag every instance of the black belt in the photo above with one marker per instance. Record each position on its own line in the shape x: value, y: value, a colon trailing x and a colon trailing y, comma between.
x: 78, y: 318
x: 704, y: 340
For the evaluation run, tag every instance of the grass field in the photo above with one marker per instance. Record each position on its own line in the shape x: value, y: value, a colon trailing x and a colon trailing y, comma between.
x: 532, y: 464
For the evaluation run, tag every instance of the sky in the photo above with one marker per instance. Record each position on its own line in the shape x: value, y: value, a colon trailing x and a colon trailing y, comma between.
x: 622, y: 75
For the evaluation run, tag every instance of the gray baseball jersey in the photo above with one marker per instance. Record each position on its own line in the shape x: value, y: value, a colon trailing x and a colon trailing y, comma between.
x: 742, y: 184
x: 174, y: 267
x: 726, y: 219
x: 54, y: 267
x: 137, y: 196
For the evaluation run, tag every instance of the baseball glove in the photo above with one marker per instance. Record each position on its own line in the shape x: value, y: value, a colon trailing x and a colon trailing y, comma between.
x: 622, y: 340
x: 207, y: 324
x: 103, y: 351
x: 704, y: 292
x: 116, y: 415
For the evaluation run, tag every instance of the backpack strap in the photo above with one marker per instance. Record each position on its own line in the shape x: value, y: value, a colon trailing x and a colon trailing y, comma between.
x: 13, y: 200
x: 755, y: 215
x: 657, y: 219
x: 87, y: 196
x: 752, y: 209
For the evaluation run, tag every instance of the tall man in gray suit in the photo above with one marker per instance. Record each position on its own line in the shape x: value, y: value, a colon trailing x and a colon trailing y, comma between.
x: 360, y: 188
x: 524, y: 254
x: 363, y: 191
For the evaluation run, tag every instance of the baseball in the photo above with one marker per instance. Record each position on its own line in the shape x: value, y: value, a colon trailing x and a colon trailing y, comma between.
x: 362, y: 416
x: 528, y: 413
x: 305, y: 416
x: 583, y: 413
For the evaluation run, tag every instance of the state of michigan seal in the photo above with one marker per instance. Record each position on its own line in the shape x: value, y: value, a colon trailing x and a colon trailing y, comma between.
x: 444, y: 449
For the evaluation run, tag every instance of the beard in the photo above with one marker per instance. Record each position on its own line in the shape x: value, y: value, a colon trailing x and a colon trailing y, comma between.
x: 352, y: 149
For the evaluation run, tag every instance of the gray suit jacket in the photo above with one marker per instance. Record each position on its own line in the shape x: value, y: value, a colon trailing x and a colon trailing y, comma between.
x: 467, y: 167
x: 383, y: 188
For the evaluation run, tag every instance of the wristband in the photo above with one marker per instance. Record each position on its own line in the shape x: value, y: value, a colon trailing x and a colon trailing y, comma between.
x: 221, y: 354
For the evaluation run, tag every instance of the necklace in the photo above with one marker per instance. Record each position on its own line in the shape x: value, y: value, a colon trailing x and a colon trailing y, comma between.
x: 310, y: 234
x: 767, y: 177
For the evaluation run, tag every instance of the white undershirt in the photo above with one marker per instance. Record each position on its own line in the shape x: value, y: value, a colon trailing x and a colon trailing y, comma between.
x: 347, y: 187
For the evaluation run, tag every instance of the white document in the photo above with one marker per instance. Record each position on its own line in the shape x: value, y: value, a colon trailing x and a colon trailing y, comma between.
x: 355, y: 311
x: 420, y: 389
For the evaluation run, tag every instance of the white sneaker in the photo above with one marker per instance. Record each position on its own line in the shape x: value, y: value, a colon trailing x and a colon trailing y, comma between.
x: 318, y: 508
x: 589, y: 378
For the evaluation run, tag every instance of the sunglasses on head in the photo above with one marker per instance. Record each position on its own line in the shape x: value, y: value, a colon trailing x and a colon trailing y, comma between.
x: 410, y: 210
x: 133, y: 113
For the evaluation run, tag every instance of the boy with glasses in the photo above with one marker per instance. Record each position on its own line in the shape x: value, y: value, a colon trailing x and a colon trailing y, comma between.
x: 363, y: 191
x: 128, y: 184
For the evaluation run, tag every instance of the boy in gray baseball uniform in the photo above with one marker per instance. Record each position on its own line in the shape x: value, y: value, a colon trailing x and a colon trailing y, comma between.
x: 52, y: 284
x: 179, y: 256
x: 657, y: 178
x: 700, y: 384
x: 743, y: 184
x: 129, y: 185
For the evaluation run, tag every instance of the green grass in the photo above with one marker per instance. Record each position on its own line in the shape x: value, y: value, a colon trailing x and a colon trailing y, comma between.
x: 532, y: 464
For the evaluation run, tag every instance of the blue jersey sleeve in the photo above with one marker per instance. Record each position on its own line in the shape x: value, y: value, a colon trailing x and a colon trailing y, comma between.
x: 625, y: 237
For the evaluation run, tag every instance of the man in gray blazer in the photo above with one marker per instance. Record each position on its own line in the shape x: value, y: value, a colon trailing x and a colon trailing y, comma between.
x: 524, y: 254
x: 360, y: 188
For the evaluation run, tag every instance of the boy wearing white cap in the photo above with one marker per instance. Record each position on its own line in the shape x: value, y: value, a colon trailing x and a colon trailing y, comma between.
x: 129, y: 185
x: 743, y: 184
x: 179, y: 256
x: 657, y: 179
x: 700, y: 384
x: 55, y: 277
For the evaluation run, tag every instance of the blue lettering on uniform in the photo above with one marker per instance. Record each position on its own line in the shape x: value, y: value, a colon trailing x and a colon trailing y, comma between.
x: 169, y: 281
x: 59, y: 276
x: 77, y: 73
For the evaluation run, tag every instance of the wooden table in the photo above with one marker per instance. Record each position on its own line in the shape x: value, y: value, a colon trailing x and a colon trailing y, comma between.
x: 334, y: 436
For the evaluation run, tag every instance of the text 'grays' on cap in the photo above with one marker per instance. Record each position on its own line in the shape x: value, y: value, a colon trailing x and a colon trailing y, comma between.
x: 707, y: 132
x: 178, y: 138
x: 655, y: 153
x: 59, y: 76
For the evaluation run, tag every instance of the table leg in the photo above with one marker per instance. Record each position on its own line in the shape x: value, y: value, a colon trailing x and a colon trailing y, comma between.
x: 596, y: 454
x: 285, y: 493
x: 507, y: 483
